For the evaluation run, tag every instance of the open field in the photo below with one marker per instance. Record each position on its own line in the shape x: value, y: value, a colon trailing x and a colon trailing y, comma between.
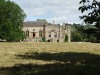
x: 49, y: 58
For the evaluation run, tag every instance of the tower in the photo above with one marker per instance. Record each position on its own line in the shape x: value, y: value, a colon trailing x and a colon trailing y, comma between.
x: 44, y: 31
x: 69, y: 33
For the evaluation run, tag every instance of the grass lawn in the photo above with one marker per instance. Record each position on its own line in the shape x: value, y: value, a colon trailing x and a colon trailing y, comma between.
x: 27, y: 58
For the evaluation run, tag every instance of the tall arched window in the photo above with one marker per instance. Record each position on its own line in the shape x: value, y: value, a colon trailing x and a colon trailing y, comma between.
x: 40, y: 33
x: 27, y: 33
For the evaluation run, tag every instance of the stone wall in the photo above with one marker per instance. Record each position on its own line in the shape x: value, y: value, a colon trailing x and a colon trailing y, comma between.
x: 53, y: 33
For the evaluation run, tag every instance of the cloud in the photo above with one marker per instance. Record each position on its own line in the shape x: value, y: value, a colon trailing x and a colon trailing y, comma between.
x: 58, y: 10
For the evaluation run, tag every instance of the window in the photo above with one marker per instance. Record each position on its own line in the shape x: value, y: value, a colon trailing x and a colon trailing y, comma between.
x: 34, y: 34
x: 40, y: 33
x: 27, y: 33
x: 57, y: 40
x: 55, y: 35
x: 33, y: 29
x: 49, y: 35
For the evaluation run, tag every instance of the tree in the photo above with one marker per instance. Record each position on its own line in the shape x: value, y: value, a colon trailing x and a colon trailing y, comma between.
x: 77, y: 33
x: 43, y: 39
x: 43, y: 20
x: 93, y: 16
x: 83, y: 33
x: 11, y: 21
x: 66, y: 38
x: 76, y: 37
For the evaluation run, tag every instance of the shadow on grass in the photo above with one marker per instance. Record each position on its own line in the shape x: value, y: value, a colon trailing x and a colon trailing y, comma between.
x: 66, y: 63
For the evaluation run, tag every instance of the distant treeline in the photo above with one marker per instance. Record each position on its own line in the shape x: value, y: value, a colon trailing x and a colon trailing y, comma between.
x: 83, y: 33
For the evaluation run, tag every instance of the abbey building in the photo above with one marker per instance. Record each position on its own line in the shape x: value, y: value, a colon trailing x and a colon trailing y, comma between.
x: 36, y: 31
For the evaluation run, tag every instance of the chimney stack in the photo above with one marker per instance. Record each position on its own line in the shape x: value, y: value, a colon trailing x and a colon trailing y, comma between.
x: 53, y: 22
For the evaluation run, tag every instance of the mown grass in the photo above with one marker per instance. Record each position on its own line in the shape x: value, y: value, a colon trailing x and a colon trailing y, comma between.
x: 27, y: 58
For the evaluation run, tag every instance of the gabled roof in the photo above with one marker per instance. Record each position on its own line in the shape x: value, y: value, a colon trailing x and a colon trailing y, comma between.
x: 34, y: 23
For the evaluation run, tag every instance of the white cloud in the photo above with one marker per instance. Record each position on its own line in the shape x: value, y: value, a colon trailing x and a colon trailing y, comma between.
x: 58, y: 10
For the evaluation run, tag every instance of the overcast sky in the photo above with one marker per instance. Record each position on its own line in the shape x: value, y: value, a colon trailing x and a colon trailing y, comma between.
x: 62, y: 11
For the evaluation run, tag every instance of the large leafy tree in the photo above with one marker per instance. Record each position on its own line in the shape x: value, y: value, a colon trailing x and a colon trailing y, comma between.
x: 11, y: 21
x: 83, y: 33
x: 93, y: 14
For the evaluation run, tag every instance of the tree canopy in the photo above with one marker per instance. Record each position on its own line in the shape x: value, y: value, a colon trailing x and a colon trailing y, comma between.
x: 83, y: 33
x: 11, y: 21
x: 93, y: 14
x: 43, y: 20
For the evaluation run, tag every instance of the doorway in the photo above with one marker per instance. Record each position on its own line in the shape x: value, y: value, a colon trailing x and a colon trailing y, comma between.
x: 33, y: 34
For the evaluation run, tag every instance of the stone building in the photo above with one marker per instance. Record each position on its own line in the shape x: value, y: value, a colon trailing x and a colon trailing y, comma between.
x: 37, y: 30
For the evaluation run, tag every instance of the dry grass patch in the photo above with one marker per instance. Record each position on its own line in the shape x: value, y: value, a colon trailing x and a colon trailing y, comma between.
x: 27, y: 58
x: 8, y: 51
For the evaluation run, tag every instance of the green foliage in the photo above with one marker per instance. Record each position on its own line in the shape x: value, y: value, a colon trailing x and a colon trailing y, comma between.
x: 77, y: 33
x: 76, y: 37
x: 43, y: 39
x: 93, y: 17
x: 11, y: 21
x: 66, y: 38
x: 83, y: 33
x: 44, y: 20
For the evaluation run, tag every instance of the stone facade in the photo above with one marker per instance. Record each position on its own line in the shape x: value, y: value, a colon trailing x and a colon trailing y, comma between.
x: 37, y: 30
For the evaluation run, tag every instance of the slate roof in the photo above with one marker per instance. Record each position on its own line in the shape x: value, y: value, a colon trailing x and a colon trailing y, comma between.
x: 38, y: 24
x: 34, y: 23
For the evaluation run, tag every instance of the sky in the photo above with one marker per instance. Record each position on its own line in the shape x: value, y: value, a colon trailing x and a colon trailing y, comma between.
x: 61, y: 11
